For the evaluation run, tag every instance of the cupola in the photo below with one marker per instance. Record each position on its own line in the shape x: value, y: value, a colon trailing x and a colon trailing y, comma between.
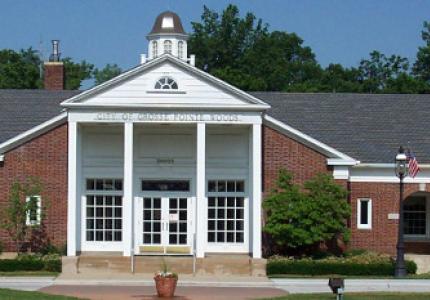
x: 168, y: 37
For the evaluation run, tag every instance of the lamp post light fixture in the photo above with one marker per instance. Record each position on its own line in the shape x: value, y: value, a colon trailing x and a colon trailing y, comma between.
x: 401, y: 170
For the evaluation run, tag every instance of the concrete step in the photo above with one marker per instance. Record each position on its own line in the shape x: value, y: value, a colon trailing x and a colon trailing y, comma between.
x: 217, y: 265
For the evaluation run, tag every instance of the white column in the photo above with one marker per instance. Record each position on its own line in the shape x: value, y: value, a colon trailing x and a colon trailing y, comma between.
x: 201, y: 224
x: 256, y: 190
x: 72, y: 201
x: 127, y: 203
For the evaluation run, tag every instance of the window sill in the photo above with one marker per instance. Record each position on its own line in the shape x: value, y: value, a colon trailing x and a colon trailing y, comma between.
x: 173, y: 92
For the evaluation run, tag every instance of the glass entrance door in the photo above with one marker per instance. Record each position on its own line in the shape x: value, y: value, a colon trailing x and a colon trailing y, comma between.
x: 163, y: 225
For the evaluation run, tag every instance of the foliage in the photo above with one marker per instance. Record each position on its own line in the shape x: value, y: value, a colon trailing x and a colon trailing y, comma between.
x: 19, y: 70
x: 27, y: 262
x: 243, y: 52
x: 298, y: 218
x: 364, y: 264
x: 421, y: 66
x: 75, y: 73
x: 105, y: 74
x: 14, y: 217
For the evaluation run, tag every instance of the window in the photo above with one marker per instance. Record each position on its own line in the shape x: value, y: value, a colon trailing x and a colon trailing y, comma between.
x: 226, y: 211
x: 364, y: 214
x: 414, y: 212
x: 168, y: 47
x: 180, y: 49
x: 154, y: 49
x: 104, y: 210
x: 34, y: 210
x: 166, y: 185
x: 166, y: 83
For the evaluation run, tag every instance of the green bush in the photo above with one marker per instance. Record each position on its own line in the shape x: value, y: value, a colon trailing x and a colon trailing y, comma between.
x: 50, y: 263
x: 361, y: 264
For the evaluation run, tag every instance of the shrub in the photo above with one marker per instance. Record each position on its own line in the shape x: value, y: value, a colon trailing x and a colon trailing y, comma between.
x: 26, y: 262
x: 366, y: 264
x: 52, y: 263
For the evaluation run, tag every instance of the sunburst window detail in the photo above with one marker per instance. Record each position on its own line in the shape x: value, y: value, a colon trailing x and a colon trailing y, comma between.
x: 166, y: 83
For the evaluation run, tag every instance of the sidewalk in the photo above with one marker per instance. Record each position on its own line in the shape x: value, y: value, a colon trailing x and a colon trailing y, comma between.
x: 309, y: 285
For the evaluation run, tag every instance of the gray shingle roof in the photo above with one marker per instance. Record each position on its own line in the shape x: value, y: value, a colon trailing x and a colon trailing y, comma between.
x: 21, y: 110
x: 367, y: 127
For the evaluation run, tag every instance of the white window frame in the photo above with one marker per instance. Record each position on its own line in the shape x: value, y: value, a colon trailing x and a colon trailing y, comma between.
x: 154, y: 49
x: 180, y: 49
x: 29, y: 222
x: 369, y: 213
x: 168, y: 46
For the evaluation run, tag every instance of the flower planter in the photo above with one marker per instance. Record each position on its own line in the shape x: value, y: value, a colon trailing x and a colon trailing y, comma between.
x: 165, y: 285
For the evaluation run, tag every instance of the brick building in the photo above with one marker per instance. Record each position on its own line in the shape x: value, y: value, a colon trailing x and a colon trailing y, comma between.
x: 166, y: 159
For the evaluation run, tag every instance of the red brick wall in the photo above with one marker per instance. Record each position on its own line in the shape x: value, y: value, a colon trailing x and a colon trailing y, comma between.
x: 54, y: 76
x: 385, y: 199
x: 44, y: 157
x: 280, y: 151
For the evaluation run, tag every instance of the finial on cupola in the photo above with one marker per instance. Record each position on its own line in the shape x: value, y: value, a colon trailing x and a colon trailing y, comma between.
x: 168, y: 37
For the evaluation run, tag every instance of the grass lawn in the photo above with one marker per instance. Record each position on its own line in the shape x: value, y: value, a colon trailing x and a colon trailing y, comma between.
x: 359, y: 296
x: 28, y: 273
x: 6, y: 294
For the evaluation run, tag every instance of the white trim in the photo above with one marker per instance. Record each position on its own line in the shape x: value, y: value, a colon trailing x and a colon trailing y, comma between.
x: 75, y: 101
x: 385, y: 165
x: 369, y: 213
x: 1, y: 158
x: 28, y: 222
x: 32, y: 133
x: 339, y: 157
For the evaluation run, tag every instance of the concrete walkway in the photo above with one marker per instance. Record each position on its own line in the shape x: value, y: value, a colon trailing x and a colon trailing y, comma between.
x: 310, y: 285
x: 26, y: 283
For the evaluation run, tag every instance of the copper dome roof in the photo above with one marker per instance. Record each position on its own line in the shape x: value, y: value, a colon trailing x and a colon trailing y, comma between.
x: 167, y: 22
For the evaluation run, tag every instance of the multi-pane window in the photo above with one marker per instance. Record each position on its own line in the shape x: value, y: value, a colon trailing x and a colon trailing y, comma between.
x: 152, y: 220
x: 226, y: 211
x: 415, y: 216
x: 154, y: 49
x: 34, y: 210
x: 168, y: 47
x: 166, y: 83
x: 104, y: 210
x: 180, y: 49
x: 364, y: 213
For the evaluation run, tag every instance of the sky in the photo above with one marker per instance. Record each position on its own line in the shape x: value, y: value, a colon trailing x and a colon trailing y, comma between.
x: 109, y: 31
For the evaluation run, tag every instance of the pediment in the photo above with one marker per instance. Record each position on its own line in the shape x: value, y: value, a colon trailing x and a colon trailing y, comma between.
x: 193, y: 88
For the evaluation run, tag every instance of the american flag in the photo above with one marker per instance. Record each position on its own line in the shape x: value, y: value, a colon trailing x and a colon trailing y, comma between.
x: 412, y: 164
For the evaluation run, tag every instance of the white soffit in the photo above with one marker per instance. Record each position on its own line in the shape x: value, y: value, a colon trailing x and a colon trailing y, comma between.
x: 32, y: 133
x: 336, y: 158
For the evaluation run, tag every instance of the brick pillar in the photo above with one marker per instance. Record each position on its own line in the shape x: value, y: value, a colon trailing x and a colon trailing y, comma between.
x: 54, y: 76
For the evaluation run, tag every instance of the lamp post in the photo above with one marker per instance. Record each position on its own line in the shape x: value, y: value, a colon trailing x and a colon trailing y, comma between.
x: 401, y: 169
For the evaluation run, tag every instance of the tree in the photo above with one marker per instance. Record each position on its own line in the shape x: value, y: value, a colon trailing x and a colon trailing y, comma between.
x: 75, y: 73
x: 305, y: 217
x: 376, y: 71
x: 107, y: 73
x: 20, y: 70
x: 421, y: 67
x: 14, y: 218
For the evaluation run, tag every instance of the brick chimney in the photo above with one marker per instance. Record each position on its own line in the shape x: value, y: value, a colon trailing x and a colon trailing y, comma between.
x: 54, y: 70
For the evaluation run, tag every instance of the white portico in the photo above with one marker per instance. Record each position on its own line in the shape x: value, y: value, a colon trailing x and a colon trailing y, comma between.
x: 164, y: 159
